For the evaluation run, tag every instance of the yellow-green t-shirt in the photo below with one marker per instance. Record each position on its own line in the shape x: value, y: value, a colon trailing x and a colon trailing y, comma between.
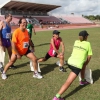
x: 81, y: 50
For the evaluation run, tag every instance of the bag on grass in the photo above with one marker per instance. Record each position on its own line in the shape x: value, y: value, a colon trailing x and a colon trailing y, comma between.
x: 2, y: 55
x: 88, y: 75
x: 31, y: 66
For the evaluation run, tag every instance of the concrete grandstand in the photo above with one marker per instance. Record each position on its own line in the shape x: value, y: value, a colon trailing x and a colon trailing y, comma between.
x: 38, y: 14
x: 76, y: 19
x: 29, y: 10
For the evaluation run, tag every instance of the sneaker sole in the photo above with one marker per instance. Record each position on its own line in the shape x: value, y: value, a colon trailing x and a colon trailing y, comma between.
x: 37, y: 77
x: 85, y: 84
x: 4, y: 78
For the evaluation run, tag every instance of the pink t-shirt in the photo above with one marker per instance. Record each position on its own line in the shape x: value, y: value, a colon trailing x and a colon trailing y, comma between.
x: 51, y: 51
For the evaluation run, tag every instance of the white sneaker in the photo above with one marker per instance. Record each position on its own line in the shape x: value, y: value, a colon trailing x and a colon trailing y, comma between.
x: 37, y: 75
x: 3, y: 75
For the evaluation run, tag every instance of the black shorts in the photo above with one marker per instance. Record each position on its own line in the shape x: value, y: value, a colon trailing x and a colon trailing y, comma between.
x: 28, y: 51
x: 74, y: 69
x: 47, y: 56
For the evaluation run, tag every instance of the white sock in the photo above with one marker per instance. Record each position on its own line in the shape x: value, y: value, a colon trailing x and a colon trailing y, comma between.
x: 36, y: 72
x: 3, y: 72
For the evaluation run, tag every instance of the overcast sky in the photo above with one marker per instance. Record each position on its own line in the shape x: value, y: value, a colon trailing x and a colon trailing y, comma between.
x: 78, y: 7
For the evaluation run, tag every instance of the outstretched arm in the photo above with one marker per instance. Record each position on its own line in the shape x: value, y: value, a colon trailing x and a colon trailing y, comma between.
x: 87, y: 61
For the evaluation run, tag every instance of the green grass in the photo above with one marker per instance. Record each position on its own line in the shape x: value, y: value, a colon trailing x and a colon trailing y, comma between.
x: 20, y: 84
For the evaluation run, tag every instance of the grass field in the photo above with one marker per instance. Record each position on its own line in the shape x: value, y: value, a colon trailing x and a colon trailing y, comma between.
x: 20, y: 84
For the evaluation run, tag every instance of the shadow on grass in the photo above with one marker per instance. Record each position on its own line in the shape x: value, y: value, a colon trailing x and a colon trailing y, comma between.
x: 42, y: 44
x: 44, y: 70
x: 19, y: 66
x: 22, y: 65
x: 48, y: 68
x: 96, y: 75
x: 74, y: 91
x: 19, y: 73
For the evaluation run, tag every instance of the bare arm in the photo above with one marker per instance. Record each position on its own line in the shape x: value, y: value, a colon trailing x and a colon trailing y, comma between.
x: 63, y: 47
x: 88, y: 60
x: 34, y: 31
x: 52, y: 42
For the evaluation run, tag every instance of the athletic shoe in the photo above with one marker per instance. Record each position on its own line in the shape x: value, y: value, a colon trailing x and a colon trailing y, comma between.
x: 13, y: 67
x: 62, y: 69
x: 84, y: 82
x: 37, y: 75
x: 55, y: 98
x: 1, y: 67
x: 3, y: 75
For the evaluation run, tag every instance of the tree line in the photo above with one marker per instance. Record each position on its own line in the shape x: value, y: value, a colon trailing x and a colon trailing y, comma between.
x: 92, y: 17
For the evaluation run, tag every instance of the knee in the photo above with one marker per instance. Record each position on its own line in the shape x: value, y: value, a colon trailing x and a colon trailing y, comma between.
x: 11, y: 62
x: 35, y: 59
x: 44, y: 59
x: 62, y: 57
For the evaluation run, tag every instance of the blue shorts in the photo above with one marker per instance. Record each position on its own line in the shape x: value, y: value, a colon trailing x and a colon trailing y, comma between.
x: 6, y: 42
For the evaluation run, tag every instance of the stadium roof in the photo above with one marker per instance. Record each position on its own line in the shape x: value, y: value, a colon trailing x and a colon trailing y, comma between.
x: 30, y: 6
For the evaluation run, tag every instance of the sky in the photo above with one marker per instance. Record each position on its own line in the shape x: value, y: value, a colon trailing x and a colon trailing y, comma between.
x: 78, y: 7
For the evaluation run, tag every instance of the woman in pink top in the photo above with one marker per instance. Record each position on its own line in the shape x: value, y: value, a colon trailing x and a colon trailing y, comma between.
x: 55, y: 43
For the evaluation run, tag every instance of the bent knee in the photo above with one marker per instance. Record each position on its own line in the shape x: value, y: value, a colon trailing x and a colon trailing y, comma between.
x: 61, y: 57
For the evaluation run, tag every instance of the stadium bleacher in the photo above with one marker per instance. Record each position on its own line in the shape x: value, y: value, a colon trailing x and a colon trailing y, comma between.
x: 73, y: 19
x: 48, y: 19
x: 38, y: 12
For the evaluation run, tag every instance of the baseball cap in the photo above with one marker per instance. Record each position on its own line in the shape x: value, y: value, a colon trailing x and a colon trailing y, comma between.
x: 56, y: 32
x: 83, y: 33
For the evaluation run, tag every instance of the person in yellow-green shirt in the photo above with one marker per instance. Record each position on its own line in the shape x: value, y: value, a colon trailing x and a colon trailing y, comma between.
x: 77, y: 62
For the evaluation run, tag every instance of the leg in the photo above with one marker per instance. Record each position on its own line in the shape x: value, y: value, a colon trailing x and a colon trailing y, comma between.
x: 61, y: 57
x: 9, y: 49
x: 35, y: 65
x: 70, y: 79
x: 34, y: 60
x: 65, y: 86
x: 68, y: 82
x: 41, y: 59
x: 83, y: 72
x: 12, y: 60
x: 47, y: 56
x: 83, y: 80
x: 9, y: 52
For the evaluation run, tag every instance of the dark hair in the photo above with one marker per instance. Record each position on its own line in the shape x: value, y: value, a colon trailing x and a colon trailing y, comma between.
x: 7, y: 15
x: 83, y: 35
x: 20, y: 20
